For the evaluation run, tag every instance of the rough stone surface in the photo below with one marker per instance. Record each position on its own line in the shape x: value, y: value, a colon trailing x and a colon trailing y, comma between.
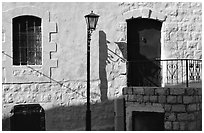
x: 162, y: 99
x: 168, y: 125
x: 175, y: 126
x: 171, y: 99
x: 179, y: 109
x: 188, y: 99
x: 177, y: 91
x: 191, y: 107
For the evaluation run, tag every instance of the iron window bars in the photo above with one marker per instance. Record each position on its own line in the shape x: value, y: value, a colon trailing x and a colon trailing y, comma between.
x: 27, y: 40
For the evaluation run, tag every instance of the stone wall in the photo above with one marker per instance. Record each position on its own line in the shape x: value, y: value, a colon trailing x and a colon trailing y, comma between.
x: 63, y: 92
x: 182, y: 107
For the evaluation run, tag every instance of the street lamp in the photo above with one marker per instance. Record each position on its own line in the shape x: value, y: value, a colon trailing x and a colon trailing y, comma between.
x: 91, y: 20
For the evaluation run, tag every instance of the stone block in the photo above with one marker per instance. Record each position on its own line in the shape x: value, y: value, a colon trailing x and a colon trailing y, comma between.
x: 182, y: 126
x: 138, y: 91
x: 171, y: 99
x: 153, y: 99
x: 197, y: 99
x: 182, y: 116
x: 190, y: 91
x: 189, y: 54
x: 199, y: 47
x: 192, y: 126
x: 181, y: 36
x: 199, y: 91
x: 182, y: 45
x: 161, y: 17
x: 127, y: 90
x: 188, y: 99
x: 177, y: 91
x: 149, y: 91
x: 6, y: 88
x: 161, y: 91
x: 200, y: 99
x: 122, y: 27
x: 191, y: 116
x: 178, y: 108
x: 166, y: 116
x: 139, y: 98
x: 179, y: 99
x: 168, y: 125
x: 191, y: 27
x: 192, y: 45
x: 167, y: 107
x: 198, y: 53
x: 191, y: 107
x: 173, y: 36
x: 183, y: 27
x: 136, y: 14
x: 170, y: 116
x: 153, y: 15
x: 196, y: 37
x: 131, y: 98
x: 126, y: 97
x: 146, y: 98
x: 162, y: 99
x: 172, y: 27
x: 25, y: 87
x: 185, y: 117
x: 146, y: 13
x: 175, y: 126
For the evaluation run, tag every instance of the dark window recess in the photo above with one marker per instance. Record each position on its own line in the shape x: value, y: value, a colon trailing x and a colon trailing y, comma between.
x: 147, y: 121
x: 27, y: 40
x: 27, y: 117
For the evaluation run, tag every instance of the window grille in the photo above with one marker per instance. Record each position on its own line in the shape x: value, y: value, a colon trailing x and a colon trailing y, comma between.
x: 27, y: 40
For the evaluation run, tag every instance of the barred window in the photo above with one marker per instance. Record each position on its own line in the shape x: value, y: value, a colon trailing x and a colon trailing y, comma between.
x: 27, y: 40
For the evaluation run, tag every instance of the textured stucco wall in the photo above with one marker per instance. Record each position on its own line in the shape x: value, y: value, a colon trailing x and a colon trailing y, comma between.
x: 181, y: 38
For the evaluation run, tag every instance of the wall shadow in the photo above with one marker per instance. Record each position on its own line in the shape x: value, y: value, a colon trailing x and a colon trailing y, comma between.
x: 73, y: 118
x: 103, y: 55
x: 6, y: 124
x: 143, y: 72
x: 123, y: 48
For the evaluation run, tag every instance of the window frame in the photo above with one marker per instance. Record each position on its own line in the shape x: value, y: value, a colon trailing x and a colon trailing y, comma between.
x: 12, y: 37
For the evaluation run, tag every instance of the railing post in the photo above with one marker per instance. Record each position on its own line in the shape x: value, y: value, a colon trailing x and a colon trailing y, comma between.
x: 186, y: 72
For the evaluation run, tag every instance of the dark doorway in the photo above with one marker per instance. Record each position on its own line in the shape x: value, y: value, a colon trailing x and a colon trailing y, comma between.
x: 147, y: 121
x: 143, y: 48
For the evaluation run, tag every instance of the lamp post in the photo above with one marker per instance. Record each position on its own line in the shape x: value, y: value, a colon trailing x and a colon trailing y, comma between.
x: 91, y: 20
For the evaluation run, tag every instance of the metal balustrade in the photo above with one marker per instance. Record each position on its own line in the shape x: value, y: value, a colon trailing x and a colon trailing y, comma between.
x: 165, y: 71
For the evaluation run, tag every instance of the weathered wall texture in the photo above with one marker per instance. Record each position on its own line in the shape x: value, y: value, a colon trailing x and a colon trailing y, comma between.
x: 64, y: 97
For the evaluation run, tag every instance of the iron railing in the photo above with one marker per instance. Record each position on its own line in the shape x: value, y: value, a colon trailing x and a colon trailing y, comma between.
x: 165, y: 71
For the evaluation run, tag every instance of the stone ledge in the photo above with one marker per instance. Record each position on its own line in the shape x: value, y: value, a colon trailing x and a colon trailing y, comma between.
x: 145, y: 13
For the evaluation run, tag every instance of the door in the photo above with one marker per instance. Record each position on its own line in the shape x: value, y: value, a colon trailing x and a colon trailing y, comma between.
x: 143, y: 48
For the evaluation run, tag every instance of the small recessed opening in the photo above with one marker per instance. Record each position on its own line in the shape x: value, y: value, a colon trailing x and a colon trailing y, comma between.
x: 147, y: 121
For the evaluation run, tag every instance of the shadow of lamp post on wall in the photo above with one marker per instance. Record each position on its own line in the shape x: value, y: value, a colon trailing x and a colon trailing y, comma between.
x: 91, y: 20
